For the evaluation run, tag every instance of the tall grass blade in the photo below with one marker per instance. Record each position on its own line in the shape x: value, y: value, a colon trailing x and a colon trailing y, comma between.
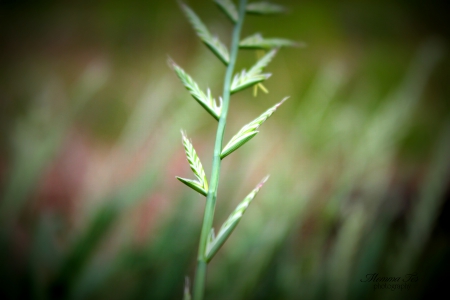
x: 248, y: 131
x: 215, y: 243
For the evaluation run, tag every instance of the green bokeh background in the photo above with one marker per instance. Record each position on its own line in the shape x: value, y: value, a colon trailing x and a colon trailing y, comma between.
x: 90, y: 114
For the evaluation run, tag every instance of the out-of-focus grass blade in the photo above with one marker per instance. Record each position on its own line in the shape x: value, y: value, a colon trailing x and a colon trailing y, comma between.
x: 83, y: 248
x: 35, y: 149
x: 44, y: 254
x: 228, y: 7
x: 144, y: 259
x: 187, y: 293
x: 107, y: 213
x: 429, y: 201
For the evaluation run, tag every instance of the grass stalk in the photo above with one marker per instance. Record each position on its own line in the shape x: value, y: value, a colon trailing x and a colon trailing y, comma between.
x: 200, y: 274
x: 210, y: 243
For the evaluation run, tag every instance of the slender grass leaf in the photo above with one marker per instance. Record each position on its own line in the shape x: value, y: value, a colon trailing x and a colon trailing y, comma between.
x: 253, y: 76
x: 256, y: 41
x: 230, y: 224
x: 265, y: 8
x: 228, y: 7
x: 211, y: 42
x: 248, y: 131
x: 201, y: 184
x: 205, y: 100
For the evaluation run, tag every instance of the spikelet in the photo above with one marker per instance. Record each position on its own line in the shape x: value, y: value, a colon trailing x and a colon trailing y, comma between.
x: 253, y: 76
x: 205, y: 100
x: 215, y: 242
x: 248, y: 131
x: 201, y: 184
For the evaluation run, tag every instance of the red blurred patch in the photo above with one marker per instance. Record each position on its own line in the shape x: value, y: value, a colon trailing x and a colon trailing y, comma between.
x: 62, y: 181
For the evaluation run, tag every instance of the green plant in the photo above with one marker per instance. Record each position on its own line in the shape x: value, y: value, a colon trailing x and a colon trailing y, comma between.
x: 210, y: 243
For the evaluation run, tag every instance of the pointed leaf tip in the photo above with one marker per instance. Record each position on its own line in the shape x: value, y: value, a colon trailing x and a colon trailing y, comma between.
x: 282, y: 101
x: 263, y: 181
x: 170, y: 62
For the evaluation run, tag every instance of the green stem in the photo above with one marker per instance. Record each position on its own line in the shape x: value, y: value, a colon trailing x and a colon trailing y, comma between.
x: 200, y: 275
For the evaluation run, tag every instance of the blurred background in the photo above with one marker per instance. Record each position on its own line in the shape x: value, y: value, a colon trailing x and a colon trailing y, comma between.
x: 90, y: 144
